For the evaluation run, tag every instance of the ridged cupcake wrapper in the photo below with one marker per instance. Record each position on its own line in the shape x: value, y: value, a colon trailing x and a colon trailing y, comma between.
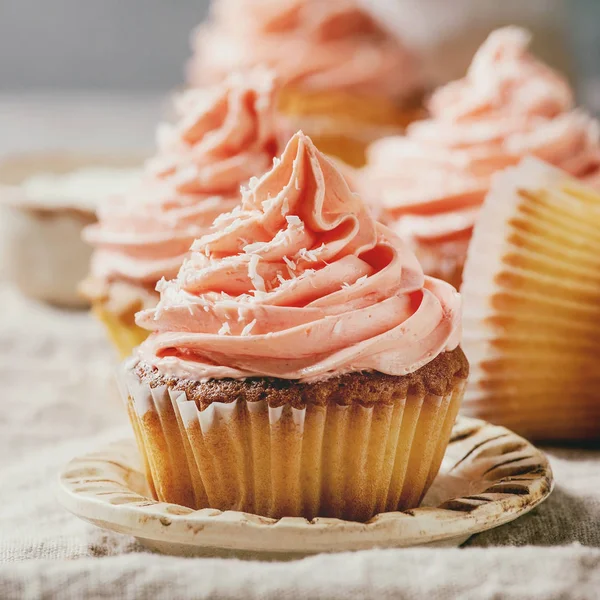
x: 531, y: 292
x: 350, y: 462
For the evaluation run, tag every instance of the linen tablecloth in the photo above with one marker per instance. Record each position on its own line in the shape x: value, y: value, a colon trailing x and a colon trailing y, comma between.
x: 58, y: 400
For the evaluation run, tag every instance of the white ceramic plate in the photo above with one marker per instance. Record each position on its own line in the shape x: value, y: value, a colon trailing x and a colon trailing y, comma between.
x: 489, y: 476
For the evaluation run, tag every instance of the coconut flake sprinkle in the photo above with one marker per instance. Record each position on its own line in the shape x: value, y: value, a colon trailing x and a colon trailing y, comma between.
x: 225, y: 329
x: 254, y: 247
x: 268, y: 204
x: 294, y: 220
x: 257, y: 280
x: 289, y: 262
x: 308, y: 255
x: 346, y: 285
x: 161, y: 285
x: 248, y: 328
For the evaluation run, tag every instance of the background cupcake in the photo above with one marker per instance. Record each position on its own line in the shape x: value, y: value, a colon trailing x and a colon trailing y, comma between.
x: 224, y: 136
x: 432, y: 182
x: 346, y: 78
x: 300, y: 364
x: 532, y: 305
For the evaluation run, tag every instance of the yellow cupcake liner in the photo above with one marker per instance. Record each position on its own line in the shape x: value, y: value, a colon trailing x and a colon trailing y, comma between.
x: 347, y: 148
x: 531, y: 292
x: 122, y: 330
x: 352, y: 108
x: 349, y: 462
x: 344, y: 124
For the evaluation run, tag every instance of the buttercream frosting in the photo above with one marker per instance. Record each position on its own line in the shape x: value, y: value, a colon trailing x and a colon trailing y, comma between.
x: 299, y: 282
x: 316, y: 45
x: 222, y: 137
x: 432, y: 182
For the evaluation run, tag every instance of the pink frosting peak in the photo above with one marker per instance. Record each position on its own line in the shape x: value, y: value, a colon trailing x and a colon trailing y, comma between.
x: 299, y: 282
x: 315, y: 44
x: 503, y: 80
x: 222, y: 137
x: 432, y: 181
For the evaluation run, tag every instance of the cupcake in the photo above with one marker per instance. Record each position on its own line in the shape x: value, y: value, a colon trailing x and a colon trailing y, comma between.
x: 431, y: 183
x: 223, y: 136
x: 300, y: 364
x: 532, y: 305
x: 346, y: 79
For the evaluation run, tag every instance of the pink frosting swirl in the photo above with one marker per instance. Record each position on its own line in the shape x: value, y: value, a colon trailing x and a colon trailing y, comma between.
x: 432, y: 181
x: 332, y: 45
x: 223, y: 136
x: 299, y: 283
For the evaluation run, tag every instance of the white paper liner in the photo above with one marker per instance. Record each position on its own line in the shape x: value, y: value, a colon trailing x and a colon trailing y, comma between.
x: 531, y: 305
x: 350, y: 462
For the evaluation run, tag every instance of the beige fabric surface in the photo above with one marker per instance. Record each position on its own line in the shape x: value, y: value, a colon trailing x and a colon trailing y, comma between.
x: 529, y: 573
x: 58, y: 400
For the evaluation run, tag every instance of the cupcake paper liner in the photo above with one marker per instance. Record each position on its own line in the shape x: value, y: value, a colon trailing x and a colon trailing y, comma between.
x: 332, y: 460
x: 531, y: 292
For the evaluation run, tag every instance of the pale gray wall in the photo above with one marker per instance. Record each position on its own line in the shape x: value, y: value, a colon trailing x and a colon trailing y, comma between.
x: 143, y: 44
x: 584, y: 43
x: 107, y: 44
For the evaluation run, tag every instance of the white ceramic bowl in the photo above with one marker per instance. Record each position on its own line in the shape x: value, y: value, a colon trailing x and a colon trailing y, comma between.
x: 41, y: 250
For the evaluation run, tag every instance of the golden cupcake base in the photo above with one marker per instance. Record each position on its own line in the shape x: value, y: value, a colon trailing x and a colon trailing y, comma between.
x: 343, y: 124
x: 330, y: 460
x: 489, y: 476
x: 532, y: 306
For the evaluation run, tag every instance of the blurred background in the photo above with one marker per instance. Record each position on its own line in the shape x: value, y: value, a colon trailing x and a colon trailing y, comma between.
x: 73, y: 59
x: 142, y: 44
x: 90, y: 44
